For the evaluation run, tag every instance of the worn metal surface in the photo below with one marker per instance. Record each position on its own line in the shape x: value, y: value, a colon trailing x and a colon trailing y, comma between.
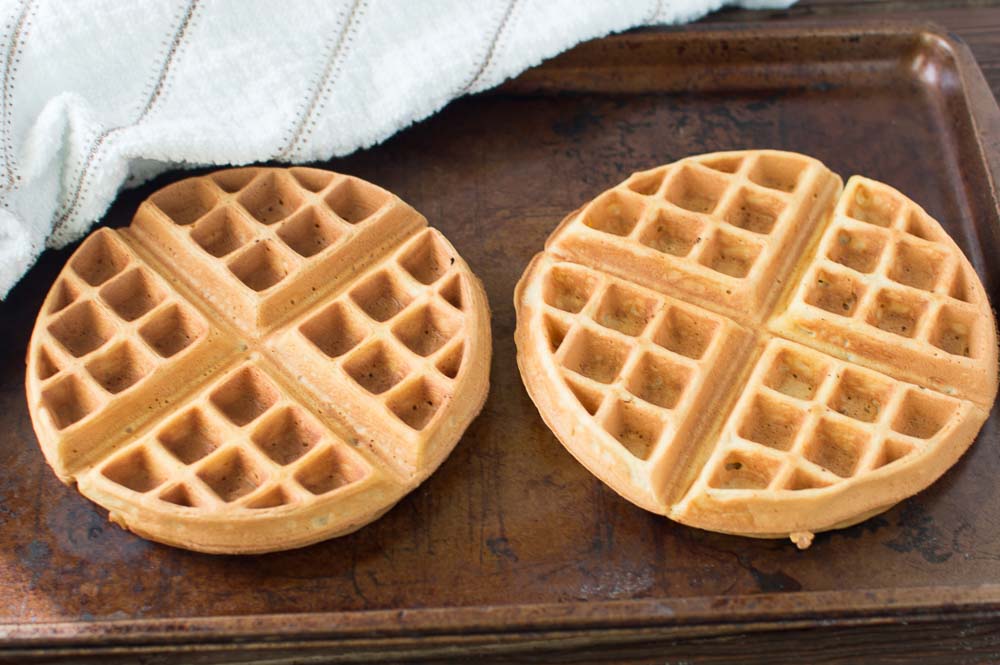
x: 511, y: 520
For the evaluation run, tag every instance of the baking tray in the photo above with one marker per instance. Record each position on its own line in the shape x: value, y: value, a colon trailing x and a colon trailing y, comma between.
x: 512, y: 549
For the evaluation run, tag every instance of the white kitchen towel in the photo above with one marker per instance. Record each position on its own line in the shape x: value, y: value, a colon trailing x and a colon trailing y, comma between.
x: 105, y: 93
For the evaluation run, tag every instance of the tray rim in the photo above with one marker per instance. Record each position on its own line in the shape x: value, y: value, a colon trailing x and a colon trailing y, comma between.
x: 684, y: 616
x: 524, y: 623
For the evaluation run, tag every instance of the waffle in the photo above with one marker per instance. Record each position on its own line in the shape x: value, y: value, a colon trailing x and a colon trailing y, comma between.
x: 742, y: 344
x: 264, y: 359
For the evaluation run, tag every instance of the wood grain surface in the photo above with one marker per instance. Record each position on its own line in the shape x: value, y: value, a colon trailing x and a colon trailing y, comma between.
x: 512, y: 551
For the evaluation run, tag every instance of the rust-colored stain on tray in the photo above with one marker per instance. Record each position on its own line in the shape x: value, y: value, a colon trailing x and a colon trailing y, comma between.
x: 511, y: 519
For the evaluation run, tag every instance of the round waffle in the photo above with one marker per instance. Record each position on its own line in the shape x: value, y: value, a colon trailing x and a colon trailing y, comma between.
x: 264, y: 359
x: 740, y: 343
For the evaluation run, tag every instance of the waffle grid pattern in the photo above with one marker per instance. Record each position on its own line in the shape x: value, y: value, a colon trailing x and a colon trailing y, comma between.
x: 398, y: 333
x: 628, y: 354
x: 721, y: 221
x: 240, y: 444
x: 112, y: 322
x: 266, y: 225
x: 880, y: 265
x: 801, y: 420
x: 806, y: 421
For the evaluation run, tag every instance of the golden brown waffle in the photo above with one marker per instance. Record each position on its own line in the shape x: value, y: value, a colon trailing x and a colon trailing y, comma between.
x: 266, y: 358
x: 734, y: 342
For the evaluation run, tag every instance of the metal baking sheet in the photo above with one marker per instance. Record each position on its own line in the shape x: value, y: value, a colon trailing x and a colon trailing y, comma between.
x: 512, y: 541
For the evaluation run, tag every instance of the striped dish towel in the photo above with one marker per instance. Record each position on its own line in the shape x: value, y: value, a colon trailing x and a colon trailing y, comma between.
x: 110, y: 93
